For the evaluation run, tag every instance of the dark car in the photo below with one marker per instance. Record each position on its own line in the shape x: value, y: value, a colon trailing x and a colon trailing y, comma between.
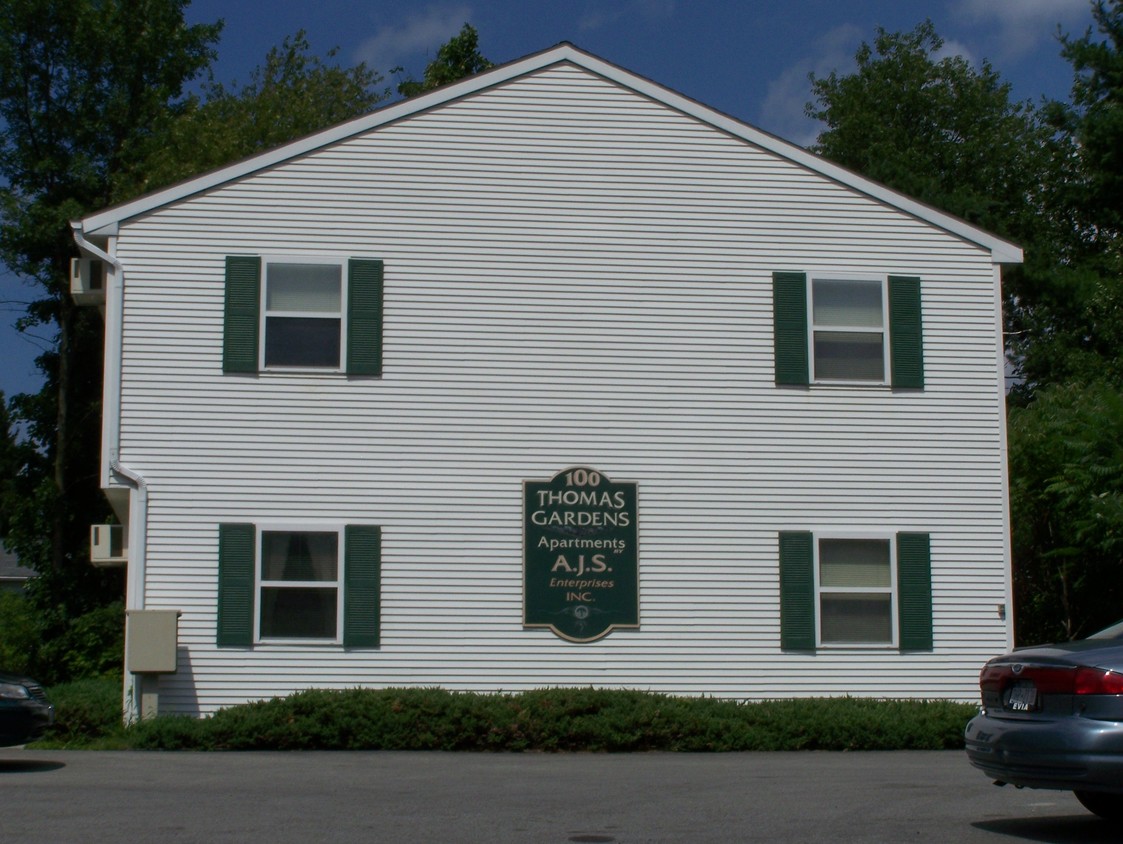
x: 25, y: 712
x: 1052, y: 717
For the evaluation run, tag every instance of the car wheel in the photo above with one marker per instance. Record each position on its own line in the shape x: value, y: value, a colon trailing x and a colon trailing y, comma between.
x: 1103, y: 803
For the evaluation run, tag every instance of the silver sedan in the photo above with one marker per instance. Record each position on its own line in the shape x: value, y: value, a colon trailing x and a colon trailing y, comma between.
x: 1052, y: 717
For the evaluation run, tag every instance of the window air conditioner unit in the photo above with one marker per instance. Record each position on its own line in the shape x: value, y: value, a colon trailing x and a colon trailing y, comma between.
x: 107, y: 545
x: 87, y: 281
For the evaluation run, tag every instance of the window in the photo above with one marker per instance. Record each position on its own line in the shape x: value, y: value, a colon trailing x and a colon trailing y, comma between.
x: 851, y: 590
x: 303, y: 315
x: 848, y: 336
x: 299, y: 585
x: 312, y: 314
x: 855, y: 588
x: 842, y: 329
x: 290, y: 584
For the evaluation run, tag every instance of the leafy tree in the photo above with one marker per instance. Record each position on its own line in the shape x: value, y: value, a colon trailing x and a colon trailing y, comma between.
x: 1095, y: 119
x: 1066, y: 469
x: 82, y: 84
x: 949, y: 135
x: 94, y: 110
x: 293, y: 93
x: 1066, y: 461
x: 456, y: 58
x: 937, y: 130
x: 1079, y: 331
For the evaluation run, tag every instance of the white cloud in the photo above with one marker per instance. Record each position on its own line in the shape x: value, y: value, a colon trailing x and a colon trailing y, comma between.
x: 955, y: 48
x: 1020, y: 25
x: 600, y: 16
x: 782, y: 112
x: 420, y: 34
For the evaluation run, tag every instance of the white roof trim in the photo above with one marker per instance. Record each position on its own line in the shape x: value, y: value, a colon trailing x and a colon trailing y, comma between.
x: 106, y: 221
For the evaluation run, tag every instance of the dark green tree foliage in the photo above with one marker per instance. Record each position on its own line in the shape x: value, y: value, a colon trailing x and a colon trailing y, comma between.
x: 94, y: 111
x: 1066, y: 490
x: 1066, y: 458
x: 83, y: 83
x: 937, y: 130
x: 949, y: 135
x: 456, y: 58
x: 1079, y: 331
x: 1095, y: 119
x: 292, y: 94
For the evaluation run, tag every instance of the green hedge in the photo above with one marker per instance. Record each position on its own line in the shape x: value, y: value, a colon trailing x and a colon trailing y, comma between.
x: 86, y: 712
x: 558, y: 720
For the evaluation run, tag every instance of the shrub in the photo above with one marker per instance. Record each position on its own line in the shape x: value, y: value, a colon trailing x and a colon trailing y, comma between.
x: 91, y: 645
x: 19, y: 636
x: 85, y: 711
x: 581, y: 719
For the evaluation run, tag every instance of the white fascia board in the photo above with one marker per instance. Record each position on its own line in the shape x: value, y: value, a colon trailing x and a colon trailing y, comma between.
x: 105, y: 222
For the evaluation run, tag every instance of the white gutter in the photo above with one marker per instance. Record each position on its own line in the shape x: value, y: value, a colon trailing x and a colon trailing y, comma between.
x: 111, y: 404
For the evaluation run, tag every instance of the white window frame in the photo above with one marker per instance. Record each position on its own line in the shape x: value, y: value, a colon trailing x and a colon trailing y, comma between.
x: 894, y: 622
x: 812, y: 326
x: 260, y: 582
x: 265, y: 313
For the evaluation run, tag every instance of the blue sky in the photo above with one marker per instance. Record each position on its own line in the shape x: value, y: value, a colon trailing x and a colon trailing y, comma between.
x: 747, y: 58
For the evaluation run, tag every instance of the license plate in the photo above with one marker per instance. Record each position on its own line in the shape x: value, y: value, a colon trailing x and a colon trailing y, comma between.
x: 1022, y: 697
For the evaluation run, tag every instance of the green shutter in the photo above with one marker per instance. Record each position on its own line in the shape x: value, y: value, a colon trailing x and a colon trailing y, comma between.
x: 362, y: 575
x: 797, y: 591
x: 243, y: 298
x: 914, y: 591
x: 789, y: 321
x: 364, y: 317
x: 906, y: 341
x: 235, y: 584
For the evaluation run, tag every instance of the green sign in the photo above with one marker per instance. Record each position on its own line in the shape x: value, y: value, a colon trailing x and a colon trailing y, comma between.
x: 580, y: 560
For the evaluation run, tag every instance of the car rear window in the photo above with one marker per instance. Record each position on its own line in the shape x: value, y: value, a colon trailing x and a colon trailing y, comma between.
x: 1113, y: 632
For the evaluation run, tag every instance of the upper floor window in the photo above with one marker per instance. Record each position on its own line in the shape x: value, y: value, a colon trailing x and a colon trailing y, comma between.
x: 849, y: 341
x: 303, y: 314
x: 834, y: 328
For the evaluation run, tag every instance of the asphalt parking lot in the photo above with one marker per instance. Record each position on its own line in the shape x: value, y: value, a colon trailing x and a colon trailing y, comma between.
x: 74, y: 796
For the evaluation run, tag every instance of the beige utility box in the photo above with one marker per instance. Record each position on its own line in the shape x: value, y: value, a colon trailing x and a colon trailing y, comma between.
x: 152, y: 638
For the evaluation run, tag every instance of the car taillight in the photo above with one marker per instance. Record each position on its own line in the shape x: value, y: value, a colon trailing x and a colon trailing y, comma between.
x: 1049, y: 679
x: 1097, y: 681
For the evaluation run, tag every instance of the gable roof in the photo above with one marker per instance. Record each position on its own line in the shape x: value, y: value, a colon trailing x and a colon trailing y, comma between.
x: 105, y: 222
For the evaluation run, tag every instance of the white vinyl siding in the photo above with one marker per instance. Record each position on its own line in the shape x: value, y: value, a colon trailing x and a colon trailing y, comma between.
x: 575, y: 275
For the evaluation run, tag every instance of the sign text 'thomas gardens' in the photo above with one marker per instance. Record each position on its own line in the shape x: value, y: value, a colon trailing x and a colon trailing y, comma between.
x: 579, y: 555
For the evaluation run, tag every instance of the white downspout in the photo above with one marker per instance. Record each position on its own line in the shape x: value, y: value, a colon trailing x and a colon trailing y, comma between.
x: 138, y: 500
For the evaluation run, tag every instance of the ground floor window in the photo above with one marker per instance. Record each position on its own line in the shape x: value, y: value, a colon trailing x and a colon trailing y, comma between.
x: 299, y: 585
x: 855, y: 587
x: 858, y: 590
x: 280, y: 583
